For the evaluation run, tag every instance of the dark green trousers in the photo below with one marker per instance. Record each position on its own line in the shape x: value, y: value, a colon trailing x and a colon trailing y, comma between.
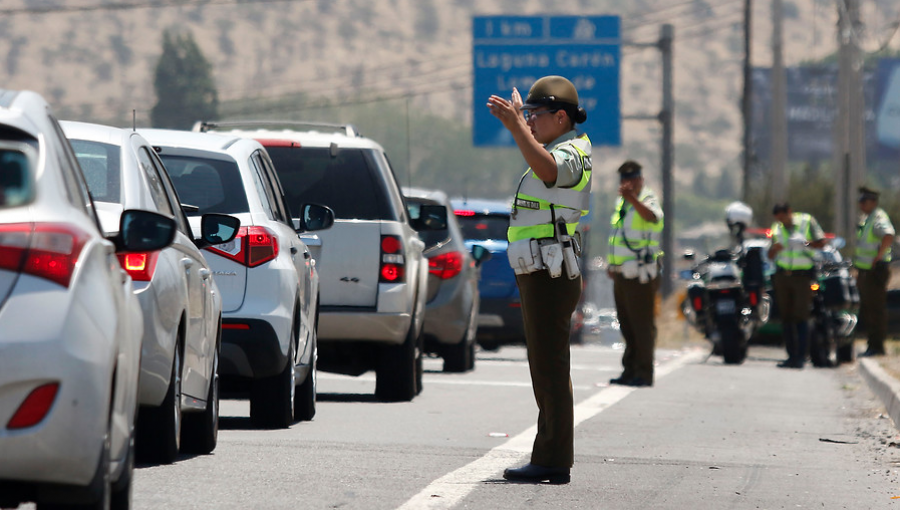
x: 873, y: 303
x: 547, y: 307
x: 635, y: 308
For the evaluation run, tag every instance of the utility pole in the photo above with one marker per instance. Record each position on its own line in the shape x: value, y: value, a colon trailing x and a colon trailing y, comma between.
x: 746, y: 106
x: 850, y: 134
x: 667, y: 33
x: 666, y: 119
x: 778, y: 179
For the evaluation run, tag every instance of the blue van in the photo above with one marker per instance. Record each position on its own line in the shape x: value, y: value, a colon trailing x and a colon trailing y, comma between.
x: 485, y: 222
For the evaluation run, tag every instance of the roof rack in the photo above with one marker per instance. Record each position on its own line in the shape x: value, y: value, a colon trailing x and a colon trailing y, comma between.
x: 205, y: 126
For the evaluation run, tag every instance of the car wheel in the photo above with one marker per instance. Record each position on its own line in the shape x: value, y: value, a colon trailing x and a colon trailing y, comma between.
x: 159, y: 428
x: 305, y: 401
x: 471, y: 356
x: 100, y: 487
x: 200, y: 432
x: 458, y: 356
x: 396, y: 373
x: 121, y: 488
x: 272, y: 398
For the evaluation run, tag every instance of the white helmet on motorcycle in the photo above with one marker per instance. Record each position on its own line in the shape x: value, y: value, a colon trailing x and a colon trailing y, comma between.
x: 738, y: 213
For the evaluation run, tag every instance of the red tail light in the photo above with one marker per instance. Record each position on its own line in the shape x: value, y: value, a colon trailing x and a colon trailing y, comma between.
x: 447, y: 265
x: 140, y: 266
x: 392, y: 260
x: 698, y: 304
x: 253, y: 246
x: 34, y: 408
x: 45, y: 250
x: 464, y: 212
x: 754, y: 299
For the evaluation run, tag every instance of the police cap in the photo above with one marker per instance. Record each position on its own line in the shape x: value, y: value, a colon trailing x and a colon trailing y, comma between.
x: 629, y: 170
x: 867, y: 194
x: 552, y: 92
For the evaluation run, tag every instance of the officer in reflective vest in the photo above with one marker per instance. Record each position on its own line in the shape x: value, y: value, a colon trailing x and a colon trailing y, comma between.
x: 794, y: 235
x: 551, y: 197
x: 873, y: 253
x: 633, y: 265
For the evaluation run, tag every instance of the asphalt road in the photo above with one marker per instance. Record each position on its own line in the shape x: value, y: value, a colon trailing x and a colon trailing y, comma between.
x: 705, y: 436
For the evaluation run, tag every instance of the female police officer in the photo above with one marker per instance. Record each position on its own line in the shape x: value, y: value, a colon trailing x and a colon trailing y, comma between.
x: 551, y: 197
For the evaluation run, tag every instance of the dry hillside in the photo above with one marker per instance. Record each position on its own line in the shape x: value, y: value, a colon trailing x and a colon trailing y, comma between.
x: 97, y: 63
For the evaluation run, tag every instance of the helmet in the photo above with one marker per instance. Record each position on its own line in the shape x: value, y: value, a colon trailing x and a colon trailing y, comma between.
x: 551, y: 91
x: 738, y: 212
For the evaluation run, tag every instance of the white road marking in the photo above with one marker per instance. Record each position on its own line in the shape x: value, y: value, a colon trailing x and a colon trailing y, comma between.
x: 450, y: 489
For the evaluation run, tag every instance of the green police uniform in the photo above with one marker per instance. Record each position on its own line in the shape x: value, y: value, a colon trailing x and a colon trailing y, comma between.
x: 873, y: 276
x: 548, y: 303
x: 632, y: 260
x: 791, y: 282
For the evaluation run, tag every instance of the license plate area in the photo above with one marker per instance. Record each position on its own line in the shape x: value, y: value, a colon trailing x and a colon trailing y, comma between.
x: 725, y: 307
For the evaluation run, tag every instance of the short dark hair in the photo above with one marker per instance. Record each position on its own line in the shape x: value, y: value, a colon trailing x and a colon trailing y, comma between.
x: 781, y: 207
x: 629, y: 169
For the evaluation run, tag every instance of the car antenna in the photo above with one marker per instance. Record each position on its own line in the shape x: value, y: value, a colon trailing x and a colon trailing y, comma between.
x: 133, y: 119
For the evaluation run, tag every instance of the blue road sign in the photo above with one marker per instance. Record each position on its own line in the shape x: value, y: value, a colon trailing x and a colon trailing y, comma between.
x: 514, y: 51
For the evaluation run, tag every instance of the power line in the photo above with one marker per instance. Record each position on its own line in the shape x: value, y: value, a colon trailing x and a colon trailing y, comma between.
x: 125, y: 6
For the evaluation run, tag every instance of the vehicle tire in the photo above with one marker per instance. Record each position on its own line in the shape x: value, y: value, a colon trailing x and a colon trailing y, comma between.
x: 820, y: 344
x: 272, y: 398
x: 844, y: 352
x: 101, y: 485
x: 159, y: 428
x: 458, y: 356
x: 420, y: 361
x: 305, y: 400
x: 396, y: 374
x: 734, y: 347
x: 471, y: 356
x: 121, y: 488
x: 489, y: 345
x: 200, y: 431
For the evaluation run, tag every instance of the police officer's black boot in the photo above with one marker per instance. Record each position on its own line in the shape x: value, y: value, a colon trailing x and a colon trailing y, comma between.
x: 790, y: 344
x: 802, y: 349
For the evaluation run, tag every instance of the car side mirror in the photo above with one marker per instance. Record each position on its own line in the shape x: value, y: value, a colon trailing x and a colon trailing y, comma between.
x: 315, y: 217
x: 217, y: 229
x: 480, y: 254
x: 141, y: 231
x: 16, y: 179
x: 688, y: 255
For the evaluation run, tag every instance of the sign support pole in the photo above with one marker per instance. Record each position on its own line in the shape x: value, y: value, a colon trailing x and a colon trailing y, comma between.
x: 665, y: 118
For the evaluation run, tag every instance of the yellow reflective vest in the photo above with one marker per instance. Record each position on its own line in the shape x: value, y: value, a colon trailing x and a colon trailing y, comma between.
x: 867, y: 243
x: 794, y: 258
x: 536, y: 206
x: 630, y: 233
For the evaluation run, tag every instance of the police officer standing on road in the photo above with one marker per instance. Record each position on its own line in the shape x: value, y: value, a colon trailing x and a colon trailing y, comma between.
x: 633, y: 265
x: 794, y: 235
x: 552, y: 196
x: 873, y: 253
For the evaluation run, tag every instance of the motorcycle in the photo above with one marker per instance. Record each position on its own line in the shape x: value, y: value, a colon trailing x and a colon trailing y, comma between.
x: 726, y: 299
x: 834, y: 311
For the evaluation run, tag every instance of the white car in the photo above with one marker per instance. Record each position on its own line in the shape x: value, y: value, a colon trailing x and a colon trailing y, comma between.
x: 267, y: 275
x: 181, y: 303
x: 70, y: 325
x: 374, y: 272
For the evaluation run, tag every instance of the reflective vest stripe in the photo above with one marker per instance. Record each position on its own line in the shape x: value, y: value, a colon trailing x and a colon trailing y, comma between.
x: 631, y: 232
x: 532, y: 216
x: 793, y: 260
x: 868, y: 243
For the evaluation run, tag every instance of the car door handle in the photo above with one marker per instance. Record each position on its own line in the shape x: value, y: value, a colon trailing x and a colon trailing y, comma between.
x: 204, y: 273
x: 187, y: 263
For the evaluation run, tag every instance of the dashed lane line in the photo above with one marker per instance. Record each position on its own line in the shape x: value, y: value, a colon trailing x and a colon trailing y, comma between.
x: 450, y: 489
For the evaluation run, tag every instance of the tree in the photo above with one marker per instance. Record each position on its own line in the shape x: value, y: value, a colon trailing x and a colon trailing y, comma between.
x: 184, y: 85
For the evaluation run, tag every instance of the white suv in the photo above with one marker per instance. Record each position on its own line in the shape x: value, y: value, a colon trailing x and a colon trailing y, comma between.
x: 267, y: 275
x: 373, y: 273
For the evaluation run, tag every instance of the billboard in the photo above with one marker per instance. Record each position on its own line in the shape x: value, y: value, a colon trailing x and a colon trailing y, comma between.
x: 812, y: 109
x: 514, y: 51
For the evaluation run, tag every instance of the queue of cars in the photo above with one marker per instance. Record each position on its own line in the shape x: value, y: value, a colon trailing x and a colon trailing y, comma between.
x: 140, y: 270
